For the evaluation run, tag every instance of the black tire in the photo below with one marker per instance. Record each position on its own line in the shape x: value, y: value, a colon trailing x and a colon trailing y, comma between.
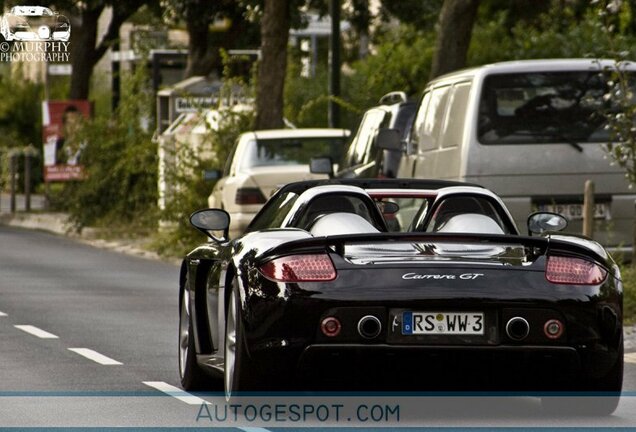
x: 239, y: 370
x: 191, y: 375
x: 600, y: 397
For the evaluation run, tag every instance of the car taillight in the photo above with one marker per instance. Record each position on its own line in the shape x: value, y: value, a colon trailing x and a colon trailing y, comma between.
x: 249, y: 196
x: 575, y: 271
x: 300, y: 268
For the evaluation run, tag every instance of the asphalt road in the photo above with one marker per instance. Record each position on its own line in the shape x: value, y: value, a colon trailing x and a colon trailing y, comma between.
x: 88, y: 339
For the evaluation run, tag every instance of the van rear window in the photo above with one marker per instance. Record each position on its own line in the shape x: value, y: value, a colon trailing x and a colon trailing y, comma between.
x: 543, y: 107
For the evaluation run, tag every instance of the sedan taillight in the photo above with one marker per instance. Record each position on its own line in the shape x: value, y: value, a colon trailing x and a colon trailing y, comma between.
x: 574, y: 271
x: 300, y: 268
x: 249, y: 196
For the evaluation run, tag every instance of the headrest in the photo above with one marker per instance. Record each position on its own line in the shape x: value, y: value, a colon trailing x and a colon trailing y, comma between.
x: 341, y: 223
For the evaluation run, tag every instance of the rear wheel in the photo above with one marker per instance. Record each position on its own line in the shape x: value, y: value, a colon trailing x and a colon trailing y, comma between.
x: 238, y: 367
x: 192, y: 376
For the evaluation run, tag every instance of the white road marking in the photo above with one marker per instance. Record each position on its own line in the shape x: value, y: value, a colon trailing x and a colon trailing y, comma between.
x: 176, y: 392
x: 253, y: 429
x: 36, y: 331
x: 630, y: 357
x: 2, y: 314
x: 95, y: 356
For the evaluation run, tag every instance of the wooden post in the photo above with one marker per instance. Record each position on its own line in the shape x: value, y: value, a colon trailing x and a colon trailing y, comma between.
x: 27, y: 181
x: 588, y: 209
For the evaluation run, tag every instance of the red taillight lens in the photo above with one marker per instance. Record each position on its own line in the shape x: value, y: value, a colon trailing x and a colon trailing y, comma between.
x: 300, y: 268
x: 575, y: 271
x: 249, y: 196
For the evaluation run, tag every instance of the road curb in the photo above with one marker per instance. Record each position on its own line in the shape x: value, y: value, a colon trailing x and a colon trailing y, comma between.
x: 60, y: 223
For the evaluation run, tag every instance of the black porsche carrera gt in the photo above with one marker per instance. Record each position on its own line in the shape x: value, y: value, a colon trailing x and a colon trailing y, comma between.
x: 399, y: 284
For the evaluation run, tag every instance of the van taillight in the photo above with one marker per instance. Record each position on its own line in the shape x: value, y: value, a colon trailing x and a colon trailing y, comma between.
x: 574, y: 271
x: 249, y: 196
x: 300, y: 268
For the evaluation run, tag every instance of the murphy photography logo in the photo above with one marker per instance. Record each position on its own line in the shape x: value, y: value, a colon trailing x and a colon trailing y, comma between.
x: 34, y: 33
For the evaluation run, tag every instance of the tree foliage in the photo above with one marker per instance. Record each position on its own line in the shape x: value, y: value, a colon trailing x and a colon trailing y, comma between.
x: 20, y: 112
x: 420, y: 14
x: 621, y: 95
x: 401, y: 61
x: 204, y: 45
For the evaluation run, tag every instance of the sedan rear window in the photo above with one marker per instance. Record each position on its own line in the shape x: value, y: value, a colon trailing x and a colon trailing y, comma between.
x: 291, y: 151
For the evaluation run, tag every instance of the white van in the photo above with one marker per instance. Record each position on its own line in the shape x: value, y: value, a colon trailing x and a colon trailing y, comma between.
x: 531, y: 132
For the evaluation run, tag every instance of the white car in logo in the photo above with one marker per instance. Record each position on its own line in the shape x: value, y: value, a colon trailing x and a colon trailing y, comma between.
x: 34, y: 23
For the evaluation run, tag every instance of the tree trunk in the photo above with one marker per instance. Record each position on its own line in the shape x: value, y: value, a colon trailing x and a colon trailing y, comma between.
x: 455, y: 28
x: 83, y: 58
x: 273, y: 64
x: 201, y: 58
x: 85, y: 50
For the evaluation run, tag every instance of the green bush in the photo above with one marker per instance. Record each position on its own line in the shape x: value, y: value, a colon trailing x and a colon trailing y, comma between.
x: 120, y: 160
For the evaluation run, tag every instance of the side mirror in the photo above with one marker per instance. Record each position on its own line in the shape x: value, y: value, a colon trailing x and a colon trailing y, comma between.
x: 321, y: 165
x: 541, y: 222
x: 388, y: 139
x: 393, y: 98
x: 211, y: 175
x: 209, y: 220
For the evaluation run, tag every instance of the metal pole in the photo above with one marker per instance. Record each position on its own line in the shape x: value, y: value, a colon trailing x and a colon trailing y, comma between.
x: 334, y: 81
x: 12, y: 171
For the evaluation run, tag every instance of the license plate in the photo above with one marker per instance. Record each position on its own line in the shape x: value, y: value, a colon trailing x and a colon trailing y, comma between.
x: 442, y: 323
x: 575, y: 211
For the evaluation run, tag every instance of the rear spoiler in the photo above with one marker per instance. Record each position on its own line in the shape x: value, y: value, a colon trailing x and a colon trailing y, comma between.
x: 581, y: 247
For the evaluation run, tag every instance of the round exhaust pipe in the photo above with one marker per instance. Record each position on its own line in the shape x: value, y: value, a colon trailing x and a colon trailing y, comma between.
x: 369, y: 327
x: 517, y: 328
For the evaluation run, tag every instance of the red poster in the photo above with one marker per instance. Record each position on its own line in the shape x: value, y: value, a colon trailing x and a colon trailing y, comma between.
x: 62, y: 146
